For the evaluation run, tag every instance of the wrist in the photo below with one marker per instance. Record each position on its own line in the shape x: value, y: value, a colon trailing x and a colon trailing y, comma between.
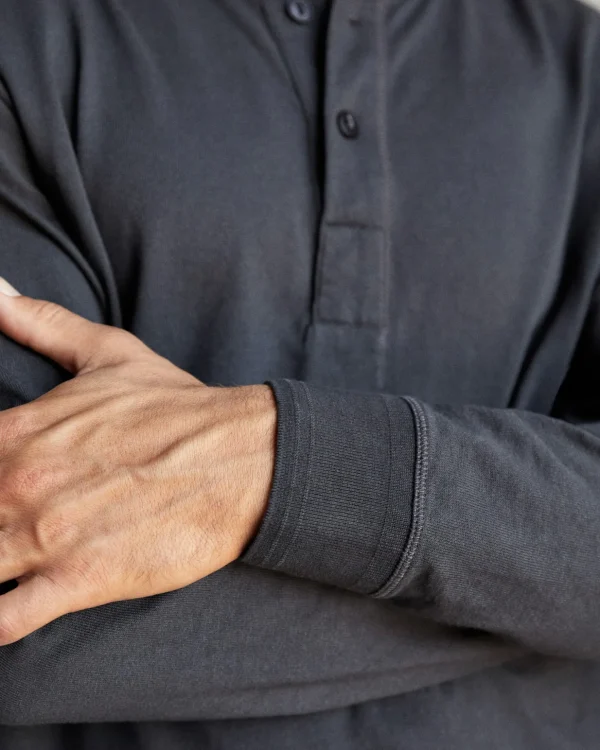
x: 251, y: 446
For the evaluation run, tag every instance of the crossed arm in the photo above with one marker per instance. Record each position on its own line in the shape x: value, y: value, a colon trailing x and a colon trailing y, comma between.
x: 488, y: 518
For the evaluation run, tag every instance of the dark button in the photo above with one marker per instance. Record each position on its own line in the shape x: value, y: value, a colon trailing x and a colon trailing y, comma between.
x: 347, y: 124
x: 299, y: 11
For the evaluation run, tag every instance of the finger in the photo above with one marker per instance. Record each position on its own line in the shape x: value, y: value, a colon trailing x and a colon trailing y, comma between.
x: 12, y: 569
x: 15, y: 557
x: 33, y: 604
x: 59, y: 334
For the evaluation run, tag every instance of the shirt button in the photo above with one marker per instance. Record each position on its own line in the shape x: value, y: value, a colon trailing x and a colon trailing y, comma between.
x: 299, y: 11
x: 347, y: 124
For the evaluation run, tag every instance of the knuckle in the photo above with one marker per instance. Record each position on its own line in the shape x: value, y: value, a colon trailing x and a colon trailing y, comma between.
x: 47, y: 312
x: 121, y: 335
x: 53, y: 531
x: 109, y: 335
x: 125, y: 341
x: 116, y: 339
x: 111, y: 345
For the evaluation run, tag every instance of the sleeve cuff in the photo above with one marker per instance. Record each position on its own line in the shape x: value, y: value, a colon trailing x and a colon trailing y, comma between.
x: 341, y: 503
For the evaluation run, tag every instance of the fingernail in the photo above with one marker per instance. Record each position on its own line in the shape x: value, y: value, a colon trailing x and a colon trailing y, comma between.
x: 7, y: 289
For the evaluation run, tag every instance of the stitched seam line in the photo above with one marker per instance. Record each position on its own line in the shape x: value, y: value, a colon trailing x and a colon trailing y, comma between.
x: 421, y: 473
x: 273, y: 548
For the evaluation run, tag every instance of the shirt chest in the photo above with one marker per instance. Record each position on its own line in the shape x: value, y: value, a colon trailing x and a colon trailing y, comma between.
x: 380, y: 204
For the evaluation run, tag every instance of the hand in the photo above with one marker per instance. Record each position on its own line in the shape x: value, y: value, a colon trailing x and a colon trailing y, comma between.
x: 130, y: 479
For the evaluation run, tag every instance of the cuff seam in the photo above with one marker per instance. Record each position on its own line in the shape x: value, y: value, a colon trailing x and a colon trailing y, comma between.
x: 420, y: 489
x: 303, y: 493
x: 255, y: 555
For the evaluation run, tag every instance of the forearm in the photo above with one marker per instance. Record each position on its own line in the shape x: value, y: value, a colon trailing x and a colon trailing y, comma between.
x: 475, y: 517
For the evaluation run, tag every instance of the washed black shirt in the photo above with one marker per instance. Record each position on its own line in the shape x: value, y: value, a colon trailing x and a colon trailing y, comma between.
x: 390, y: 211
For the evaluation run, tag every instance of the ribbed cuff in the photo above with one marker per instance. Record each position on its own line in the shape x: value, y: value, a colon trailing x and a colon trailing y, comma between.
x: 341, y: 502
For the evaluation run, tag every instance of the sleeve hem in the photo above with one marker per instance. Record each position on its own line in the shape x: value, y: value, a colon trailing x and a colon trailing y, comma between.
x: 390, y: 588
x: 289, y: 478
x: 341, y: 504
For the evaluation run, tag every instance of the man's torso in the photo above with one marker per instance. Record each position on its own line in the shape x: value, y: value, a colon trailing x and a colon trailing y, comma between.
x: 201, y: 156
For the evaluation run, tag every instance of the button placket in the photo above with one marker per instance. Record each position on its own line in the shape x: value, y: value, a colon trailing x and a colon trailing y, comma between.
x: 296, y: 34
x: 348, y: 335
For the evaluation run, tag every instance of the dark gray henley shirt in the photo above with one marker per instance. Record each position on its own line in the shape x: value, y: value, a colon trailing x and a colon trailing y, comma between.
x: 389, y: 210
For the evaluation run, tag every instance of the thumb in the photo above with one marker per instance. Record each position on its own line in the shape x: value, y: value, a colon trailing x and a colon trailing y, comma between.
x: 57, y: 333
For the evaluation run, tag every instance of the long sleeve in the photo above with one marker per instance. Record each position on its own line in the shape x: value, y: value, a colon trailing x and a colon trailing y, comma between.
x: 125, y: 661
x: 38, y: 257
x: 484, y: 518
x: 203, y: 651
x: 108, y: 130
x: 479, y: 518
